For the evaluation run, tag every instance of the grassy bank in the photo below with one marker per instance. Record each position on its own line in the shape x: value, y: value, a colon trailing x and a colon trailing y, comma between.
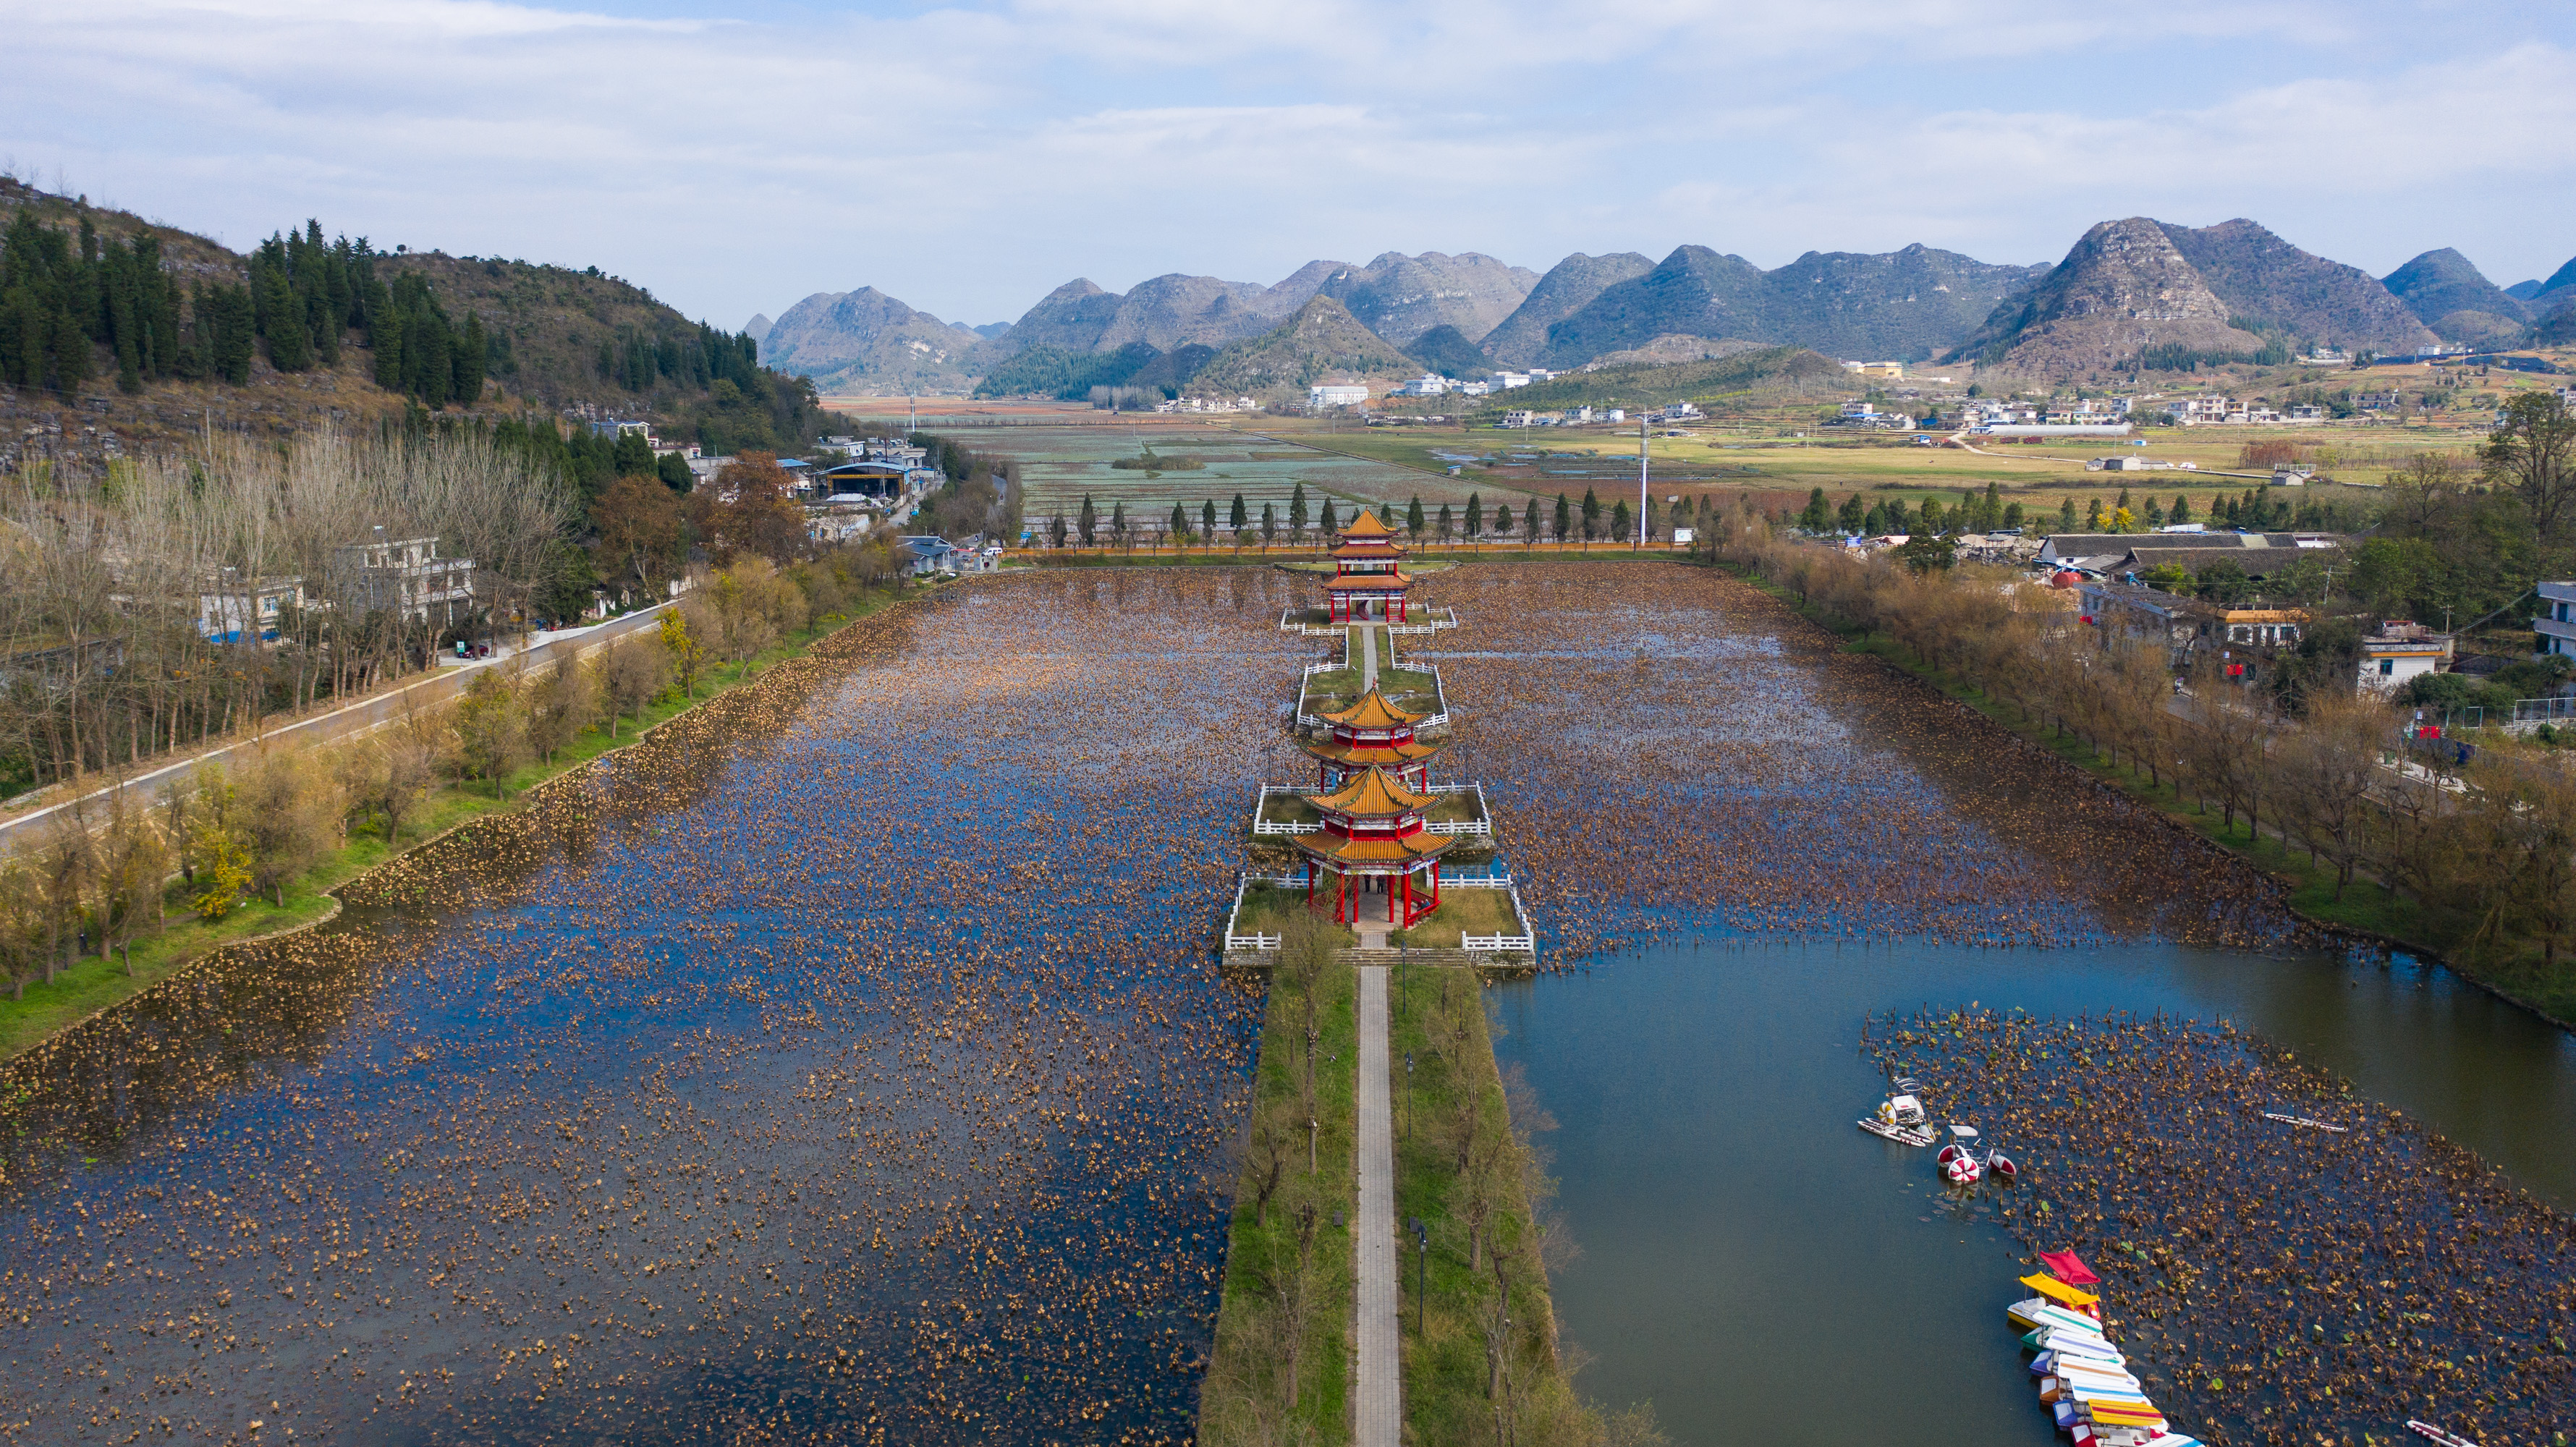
x: 90, y: 984
x: 1479, y: 1330
x: 2366, y: 906
x: 1281, y: 1371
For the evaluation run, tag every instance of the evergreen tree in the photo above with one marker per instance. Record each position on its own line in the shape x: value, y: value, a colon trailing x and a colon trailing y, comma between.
x: 1564, y: 518
x: 1087, y: 521
x: 2066, y: 515
x: 1475, y: 516
x: 1874, y: 523
x: 1529, y: 519
x: 1118, y: 521
x: 467, y: 362
x: 1327, y: 524
x: 1444, y: 523
x: 1269, y: 523
x: 1992, y: 515
x: 1413, y: 518
x: 2093, y: 516
x: 1207, y: 516
x: 1055, y: 528
x: 1297, y: 511
x: 673, y: 469
x: 1852, y: 514
x: 387, y: 335
x: 1620, y: 522
x: 2181, y: 508
x: 2013, y: 516
x: 290, y: 345
x: 1180, y: 523
x: 1236, y: 519
x: 1592, y: 513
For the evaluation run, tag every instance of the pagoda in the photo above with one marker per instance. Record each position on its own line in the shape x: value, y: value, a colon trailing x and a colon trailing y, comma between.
x: 1372, y: 734
x: 1373, y: 829
x: 1368, y: 579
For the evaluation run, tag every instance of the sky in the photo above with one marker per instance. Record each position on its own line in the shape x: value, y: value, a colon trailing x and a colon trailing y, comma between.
x: 970, y: 158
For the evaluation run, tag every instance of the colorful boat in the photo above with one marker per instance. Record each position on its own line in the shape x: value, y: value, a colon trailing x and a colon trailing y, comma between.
x: 1900, y: 1117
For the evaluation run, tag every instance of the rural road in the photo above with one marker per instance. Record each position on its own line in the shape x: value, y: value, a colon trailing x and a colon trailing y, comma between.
x: 358, y: 718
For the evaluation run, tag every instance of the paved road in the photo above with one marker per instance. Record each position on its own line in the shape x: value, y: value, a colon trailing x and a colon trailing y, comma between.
x: 1380, y: 1406
x: 1368, y: 659
x: 358, y: 718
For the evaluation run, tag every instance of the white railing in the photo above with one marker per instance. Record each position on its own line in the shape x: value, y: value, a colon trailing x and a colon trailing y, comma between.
x: 1476, y: 881
x: 1264, y: 826
x: 1498, y: 942
x: 1452, y: 788
x: 1235, y: 941
x: 1463, y: 826
x: 1297, y: 881
x: 1326, y: 667
x: 1436, y: 721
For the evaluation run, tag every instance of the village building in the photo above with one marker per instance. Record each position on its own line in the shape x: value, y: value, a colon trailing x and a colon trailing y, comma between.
x: 2555, y: 623
x: 2400, y: 651
x: 231, y: 609
x: 2117, y: 556
x: 406, y: 578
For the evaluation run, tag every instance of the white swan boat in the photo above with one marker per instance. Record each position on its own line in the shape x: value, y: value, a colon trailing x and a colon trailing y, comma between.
x: 1900, y: 1117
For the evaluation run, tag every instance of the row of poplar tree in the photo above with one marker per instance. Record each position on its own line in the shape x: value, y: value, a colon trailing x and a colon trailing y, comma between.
x: 63, y: 298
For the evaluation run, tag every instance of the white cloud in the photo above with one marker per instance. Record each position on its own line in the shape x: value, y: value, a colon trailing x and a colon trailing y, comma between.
x: 968, y: 160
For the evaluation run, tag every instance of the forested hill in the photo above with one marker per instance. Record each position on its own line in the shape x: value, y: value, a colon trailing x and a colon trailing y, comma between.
x: 118, y: 334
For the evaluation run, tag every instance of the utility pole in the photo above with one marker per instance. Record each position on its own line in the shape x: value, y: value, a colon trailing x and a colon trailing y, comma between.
x: 1642, y: 445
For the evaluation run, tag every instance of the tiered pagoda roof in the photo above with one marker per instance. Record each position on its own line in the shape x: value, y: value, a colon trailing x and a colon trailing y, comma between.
x: 1373, y: 819
x: 1373, y: 712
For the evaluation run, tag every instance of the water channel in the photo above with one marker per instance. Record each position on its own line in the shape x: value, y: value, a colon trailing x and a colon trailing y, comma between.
x: 846, y: 1063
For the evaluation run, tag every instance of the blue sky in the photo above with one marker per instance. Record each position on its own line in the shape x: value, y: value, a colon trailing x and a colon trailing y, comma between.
x: 970, y: 158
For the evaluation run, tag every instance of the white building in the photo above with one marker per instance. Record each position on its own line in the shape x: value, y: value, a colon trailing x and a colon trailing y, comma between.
x: 2398, y: 652
x: 1336, y: 394
x: 236, y: 610
x: 1505, y: 381
x: 2556, y: 621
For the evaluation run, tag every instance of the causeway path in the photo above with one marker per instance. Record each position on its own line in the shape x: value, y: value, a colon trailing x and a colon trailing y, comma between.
x: 1380, y: 1405
x: 1368, y: 658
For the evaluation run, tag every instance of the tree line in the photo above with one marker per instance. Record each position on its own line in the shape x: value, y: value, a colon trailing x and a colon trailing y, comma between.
x: 2485, y: 849
x: 112, y: 866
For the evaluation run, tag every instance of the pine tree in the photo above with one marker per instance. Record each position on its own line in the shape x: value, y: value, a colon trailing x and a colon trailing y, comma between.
x: 2066, y: 515
x: 1180, y: 523
x: 1475, y: 516
x: 1529, y: 519
x: 1269, y: 524
x: 468, y: 365
x: 1236, y: 519
x: 1445, y: 522
x: 2181, y: 508
x: 387, y: 335
x: 1207, y: 516
x: 1087, y: 521
x: 1852, y: 514
x: 1564, y: 518
x: 1413, y: 518
x: 1327, y: 525
x: 1118, y: 521
x: 1297, y: 511
x: 1592, y: 513
x: 290, y: 346
x: 1619, y: 520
